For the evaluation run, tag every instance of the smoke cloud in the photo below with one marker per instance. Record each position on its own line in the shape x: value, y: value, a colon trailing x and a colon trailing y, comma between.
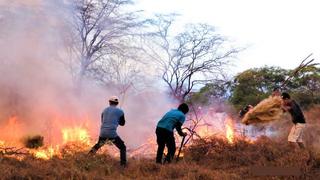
x: 38, y: 94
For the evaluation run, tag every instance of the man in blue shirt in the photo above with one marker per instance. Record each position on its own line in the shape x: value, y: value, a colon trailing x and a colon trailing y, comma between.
x: 165, y: 137
x: 111, y: 117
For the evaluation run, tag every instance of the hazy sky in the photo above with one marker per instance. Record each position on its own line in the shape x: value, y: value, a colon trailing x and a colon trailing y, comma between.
x: 276, y: 32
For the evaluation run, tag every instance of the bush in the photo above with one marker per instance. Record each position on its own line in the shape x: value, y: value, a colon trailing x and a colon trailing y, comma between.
x: 33, y: 142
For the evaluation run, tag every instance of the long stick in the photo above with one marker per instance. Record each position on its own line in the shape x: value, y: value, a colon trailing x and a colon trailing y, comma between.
x: 181, y: 145
x: 299, y: 68
x: 195, y: 125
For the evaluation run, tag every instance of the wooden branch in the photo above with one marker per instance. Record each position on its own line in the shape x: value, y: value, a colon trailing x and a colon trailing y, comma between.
x: 195, y: 125
x: 12, y: 151
x: 301, y: 66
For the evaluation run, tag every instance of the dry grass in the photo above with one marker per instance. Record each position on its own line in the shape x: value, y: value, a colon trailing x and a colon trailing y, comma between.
x: 210, y: 159
x: 238, y: 158
x: 213, y: 158
x: 267, y: 110
x: 80, y: 166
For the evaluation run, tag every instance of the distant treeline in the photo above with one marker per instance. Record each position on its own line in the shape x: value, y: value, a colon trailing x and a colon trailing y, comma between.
x: 253, y: 85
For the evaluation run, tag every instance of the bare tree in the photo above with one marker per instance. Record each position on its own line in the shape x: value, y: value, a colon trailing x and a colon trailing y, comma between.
x: 103, y: 32
x: 120, y: 74
x: 193, y: 57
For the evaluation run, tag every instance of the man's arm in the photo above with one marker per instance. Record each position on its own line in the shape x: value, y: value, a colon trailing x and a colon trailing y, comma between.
x: 101, y: 117
x: 285, y: 108
x: 179, y: 130
x: 122, y: 121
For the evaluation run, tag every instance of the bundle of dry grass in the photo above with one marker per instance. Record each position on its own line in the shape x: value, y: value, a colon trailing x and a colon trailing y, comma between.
x: 267, y: 110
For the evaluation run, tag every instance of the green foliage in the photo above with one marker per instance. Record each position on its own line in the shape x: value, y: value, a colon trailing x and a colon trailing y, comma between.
x: 306, y: 87
x: 212, y: 91
x: 253, y: 85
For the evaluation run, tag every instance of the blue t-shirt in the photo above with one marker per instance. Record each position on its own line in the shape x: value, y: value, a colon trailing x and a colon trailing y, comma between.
x: 170, y: 119
x: 110, y: 121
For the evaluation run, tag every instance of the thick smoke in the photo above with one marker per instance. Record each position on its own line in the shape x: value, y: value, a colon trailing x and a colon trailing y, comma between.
x: 38, y: 94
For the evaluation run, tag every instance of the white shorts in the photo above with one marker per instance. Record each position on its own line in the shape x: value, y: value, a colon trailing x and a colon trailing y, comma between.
x: 296, y: 133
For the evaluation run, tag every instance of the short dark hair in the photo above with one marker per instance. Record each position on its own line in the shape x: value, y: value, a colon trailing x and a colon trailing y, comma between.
x: 183, y: 108
x: 285, y: 95
x: 247, y: 107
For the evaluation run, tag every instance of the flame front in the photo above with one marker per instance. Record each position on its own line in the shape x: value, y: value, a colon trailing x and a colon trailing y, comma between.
x: 64, y: 136
x: 47, y: 153
x: 69, y: 135
x: 42, y: 154
x: 76, y: 135
x: 205, y: 131
x: 229, y: 131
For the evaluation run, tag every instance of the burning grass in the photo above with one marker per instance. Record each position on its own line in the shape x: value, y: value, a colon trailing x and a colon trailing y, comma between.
x: 213, y: 158
x: 219, y: 157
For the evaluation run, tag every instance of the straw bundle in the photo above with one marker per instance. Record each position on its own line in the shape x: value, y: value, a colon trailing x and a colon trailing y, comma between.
x: 267, y: 110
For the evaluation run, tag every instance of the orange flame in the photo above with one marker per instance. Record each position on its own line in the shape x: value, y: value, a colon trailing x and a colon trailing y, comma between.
x: 1, y: 143
x: 181, y: 155
x: 76, y: 135
x: 13, y: 130
x: 69, y: 135
x: 229, y: 130
x: 42, y: 154
x: 205, y: 131
x: 46, y: 154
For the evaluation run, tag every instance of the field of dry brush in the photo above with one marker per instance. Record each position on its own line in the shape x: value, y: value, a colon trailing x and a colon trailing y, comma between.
x: 207, y: 159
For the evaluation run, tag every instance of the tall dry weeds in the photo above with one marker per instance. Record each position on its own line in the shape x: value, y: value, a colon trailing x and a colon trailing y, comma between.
x: 206, y: 159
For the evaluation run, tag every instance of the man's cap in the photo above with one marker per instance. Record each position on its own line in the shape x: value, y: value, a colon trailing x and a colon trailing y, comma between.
x: 114, y: 99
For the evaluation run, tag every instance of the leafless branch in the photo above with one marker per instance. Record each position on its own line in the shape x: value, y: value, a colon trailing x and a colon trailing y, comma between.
x: 301, y: 66
x: 12, y: 151
x: 190, y: 58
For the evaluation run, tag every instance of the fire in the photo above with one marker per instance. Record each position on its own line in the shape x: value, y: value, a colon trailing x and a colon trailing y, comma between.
x: 47, y: 153
x: 56, y: 140
x: 1, y: 143
x: 41, y: 155
x: 205, y: 131
x: 76, y: 135
x: 69, y: 135
x: 229, y: 130
x: 13, y: 130
x: 181, y: 155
